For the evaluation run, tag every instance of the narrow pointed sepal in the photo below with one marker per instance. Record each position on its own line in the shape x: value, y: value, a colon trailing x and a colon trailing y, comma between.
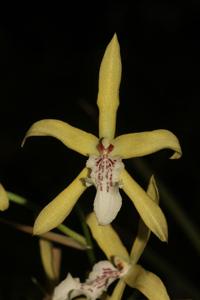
x: 72, y: 137
x: 149, y: 211
x: 108, y: 94
x: 143, y: 233
x: 118, y: 291
x: 144, y: 143
x: 4, y: 201
x: 46, y: 254
x: 106, y: 236
x: 58, y: 209
x: 147, y: 283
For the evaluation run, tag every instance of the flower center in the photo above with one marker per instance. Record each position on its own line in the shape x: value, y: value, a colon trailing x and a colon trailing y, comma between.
x: 100, y: 279
x: 103, y: 274
x: 104, y: 168
x: 104, y: 147
x: 105, y: 173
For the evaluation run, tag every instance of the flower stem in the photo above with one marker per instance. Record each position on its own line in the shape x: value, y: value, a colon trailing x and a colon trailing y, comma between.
x: 69, y: 232
x: 33, y: 207
x: 90, y: 251
x: 22, y: 201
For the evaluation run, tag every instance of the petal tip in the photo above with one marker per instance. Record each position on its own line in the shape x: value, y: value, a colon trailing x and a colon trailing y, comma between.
x: 177, y: 154
x: 23, y: 142
x: 164, y: 235
x: 4, y: 200
x: 38, y: 229
x: 114, y: 43
x: 2, y: 208
x: 115, y: 38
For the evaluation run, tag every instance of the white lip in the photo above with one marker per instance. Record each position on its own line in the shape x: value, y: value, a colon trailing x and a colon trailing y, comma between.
x: 105, y: 172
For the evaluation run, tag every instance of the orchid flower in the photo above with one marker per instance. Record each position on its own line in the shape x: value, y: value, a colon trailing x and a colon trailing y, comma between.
x: 119, y: 266
x: 136, y: 277
x: 104, y: 167
x: 103, y: 274
x: 4, y: 201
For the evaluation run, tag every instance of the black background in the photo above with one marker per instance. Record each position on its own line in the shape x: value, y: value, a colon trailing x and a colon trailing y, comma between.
x: 50, y: 58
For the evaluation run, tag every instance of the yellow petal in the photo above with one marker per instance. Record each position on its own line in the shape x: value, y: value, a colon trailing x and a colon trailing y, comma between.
x: 147, y: 283
x: 107, y: 238
x: 149, y: 211
x: 72, y: 137
x: 152, y: 190
x: 143, y: 143
x: 118, y: 291
x: 46, y: 253
x: 4, y: 201
x: 143, y: 231
x: 108, y: 95
x: 58, y: 209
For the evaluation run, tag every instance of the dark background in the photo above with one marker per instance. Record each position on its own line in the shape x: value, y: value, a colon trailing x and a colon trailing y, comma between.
x: 50, y: 58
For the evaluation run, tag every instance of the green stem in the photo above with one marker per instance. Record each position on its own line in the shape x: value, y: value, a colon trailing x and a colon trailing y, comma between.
x: 22, y: 201
x: 33, y: 207
x: 90, y: 251
x: 69, y: 232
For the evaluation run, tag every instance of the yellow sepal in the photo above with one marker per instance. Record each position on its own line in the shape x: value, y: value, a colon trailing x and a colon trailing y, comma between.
x: 143, y: 231
x: 4, y: 201
x: 72, y: 137
x: 107, y: 239
x: 149, y: 211
x: 118, y: 291
x: 46, y: 253
x: 143, y: 143
x: 108, y: 94
x: 58, y: 209
x: 147, y: 283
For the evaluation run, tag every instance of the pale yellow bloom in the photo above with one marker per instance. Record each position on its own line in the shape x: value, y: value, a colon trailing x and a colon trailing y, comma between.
x: 104, y: 168
x: 4, y: 201
x: 137, y: 277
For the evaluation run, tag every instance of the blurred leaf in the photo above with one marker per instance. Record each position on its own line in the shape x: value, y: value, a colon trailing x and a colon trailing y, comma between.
x: 33, y: 207
x: 51, y: 236
x: 172, y: 204
x: 47, y: 257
